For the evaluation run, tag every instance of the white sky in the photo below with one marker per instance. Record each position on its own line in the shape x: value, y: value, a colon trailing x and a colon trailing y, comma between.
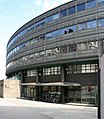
x: 14, y: 14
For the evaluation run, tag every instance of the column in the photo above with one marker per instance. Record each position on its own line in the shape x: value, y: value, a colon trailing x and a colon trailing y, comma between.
x: 62, y: 74
x: 37, y: 76
x: 62, y: 94
x: 21, y: 87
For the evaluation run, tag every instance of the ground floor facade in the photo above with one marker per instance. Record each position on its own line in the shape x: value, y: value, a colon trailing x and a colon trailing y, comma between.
x: 61, y: 94
x: 61, y: 83
x: 65, y: 83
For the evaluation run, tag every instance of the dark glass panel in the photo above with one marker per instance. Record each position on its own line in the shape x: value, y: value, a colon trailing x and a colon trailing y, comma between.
x: 71, y: 10
x: 49, y: 19
x: 63, y: 13
x: 81, y: 7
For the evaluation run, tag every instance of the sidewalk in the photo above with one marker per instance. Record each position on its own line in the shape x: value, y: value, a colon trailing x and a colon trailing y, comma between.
x: 81, y: 104
x: 56, y: 111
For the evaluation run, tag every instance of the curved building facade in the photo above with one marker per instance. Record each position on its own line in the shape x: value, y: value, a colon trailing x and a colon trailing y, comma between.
x: 55, y: 55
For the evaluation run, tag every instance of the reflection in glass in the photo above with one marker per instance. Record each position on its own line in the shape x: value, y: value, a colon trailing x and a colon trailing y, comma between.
x: 63, y: 31
x: 101, y: 22
x: 55, y: 16
x: 43, y: 22
x: 63, y: 49
x: 49, y: 19
x: 49, y: 52
x: 81, y: 7
x: 72, y: 29
x: 63, y: 13
x: 91, y: 4
x: 101, y: 2
x: 42, y: 53
x: 91, y: 24
x: 81, y: 26
x: 82, y: 46
x: 87, y: 46
x: 72, y: 47
x: 55, y: 33
x: 71, y: 10
x: 48, y: 35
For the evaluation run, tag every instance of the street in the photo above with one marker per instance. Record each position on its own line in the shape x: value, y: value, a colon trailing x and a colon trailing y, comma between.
x: 12, y: 108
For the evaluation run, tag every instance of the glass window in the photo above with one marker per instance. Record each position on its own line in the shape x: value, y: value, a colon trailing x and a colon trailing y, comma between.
x: 42, y: 54
x: 90, y: 4
x: 101, y: 2
x: 49, y: 52
x: 82, y: 46
x: 71, y: 10
x: 91, y: 24
x: 63, y: 49
x: 37, y: 24
x: 29, y: 58
x: 17, y: 48
x: 31, y: 73
x: 55, y: 51
x: 93, y: 45
x: 32, y: 27
x: 72, y: 48
x: 28, y: 43
x: 48, y: 35
x: 28, y: 30
x: 49, y: 19
x: 81, y: 26
x: 71, y: 29
x: 63, y: 31
x: 51, y: 70
x: 101, y: 22
x: 43, y: 22
x: 63, y: 13
x: 42, y: 36
x: 56, y: 33
x: 55, y: 16
x: 81, y: 7
x: 81, y: 68
x: 36, y: 55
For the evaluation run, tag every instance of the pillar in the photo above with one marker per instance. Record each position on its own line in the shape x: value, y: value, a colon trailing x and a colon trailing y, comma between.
x: 62, y: 74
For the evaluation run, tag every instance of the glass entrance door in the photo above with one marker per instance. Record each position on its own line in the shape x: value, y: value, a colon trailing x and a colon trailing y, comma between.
x: 51, y: 94
x: 72, y: 94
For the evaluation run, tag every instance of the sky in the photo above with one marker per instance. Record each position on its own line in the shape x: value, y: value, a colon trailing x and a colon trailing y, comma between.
x: 14, y: 14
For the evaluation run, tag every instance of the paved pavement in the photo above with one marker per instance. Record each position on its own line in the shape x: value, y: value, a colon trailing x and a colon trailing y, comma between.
x: 12, y: 108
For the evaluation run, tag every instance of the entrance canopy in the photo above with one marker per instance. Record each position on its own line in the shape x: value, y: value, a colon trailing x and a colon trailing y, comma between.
x: 51, y: 84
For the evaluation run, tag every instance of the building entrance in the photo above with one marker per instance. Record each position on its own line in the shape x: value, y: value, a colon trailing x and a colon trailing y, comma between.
x: 72, y: 94
x: 51, y: 94
x: 59, y: 94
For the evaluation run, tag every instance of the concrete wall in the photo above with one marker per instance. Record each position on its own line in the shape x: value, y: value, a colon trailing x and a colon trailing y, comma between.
x: 102, y: 86
x: 9, y: 88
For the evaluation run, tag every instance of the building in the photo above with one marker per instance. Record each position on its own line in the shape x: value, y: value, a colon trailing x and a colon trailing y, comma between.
x: 55, y: 55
